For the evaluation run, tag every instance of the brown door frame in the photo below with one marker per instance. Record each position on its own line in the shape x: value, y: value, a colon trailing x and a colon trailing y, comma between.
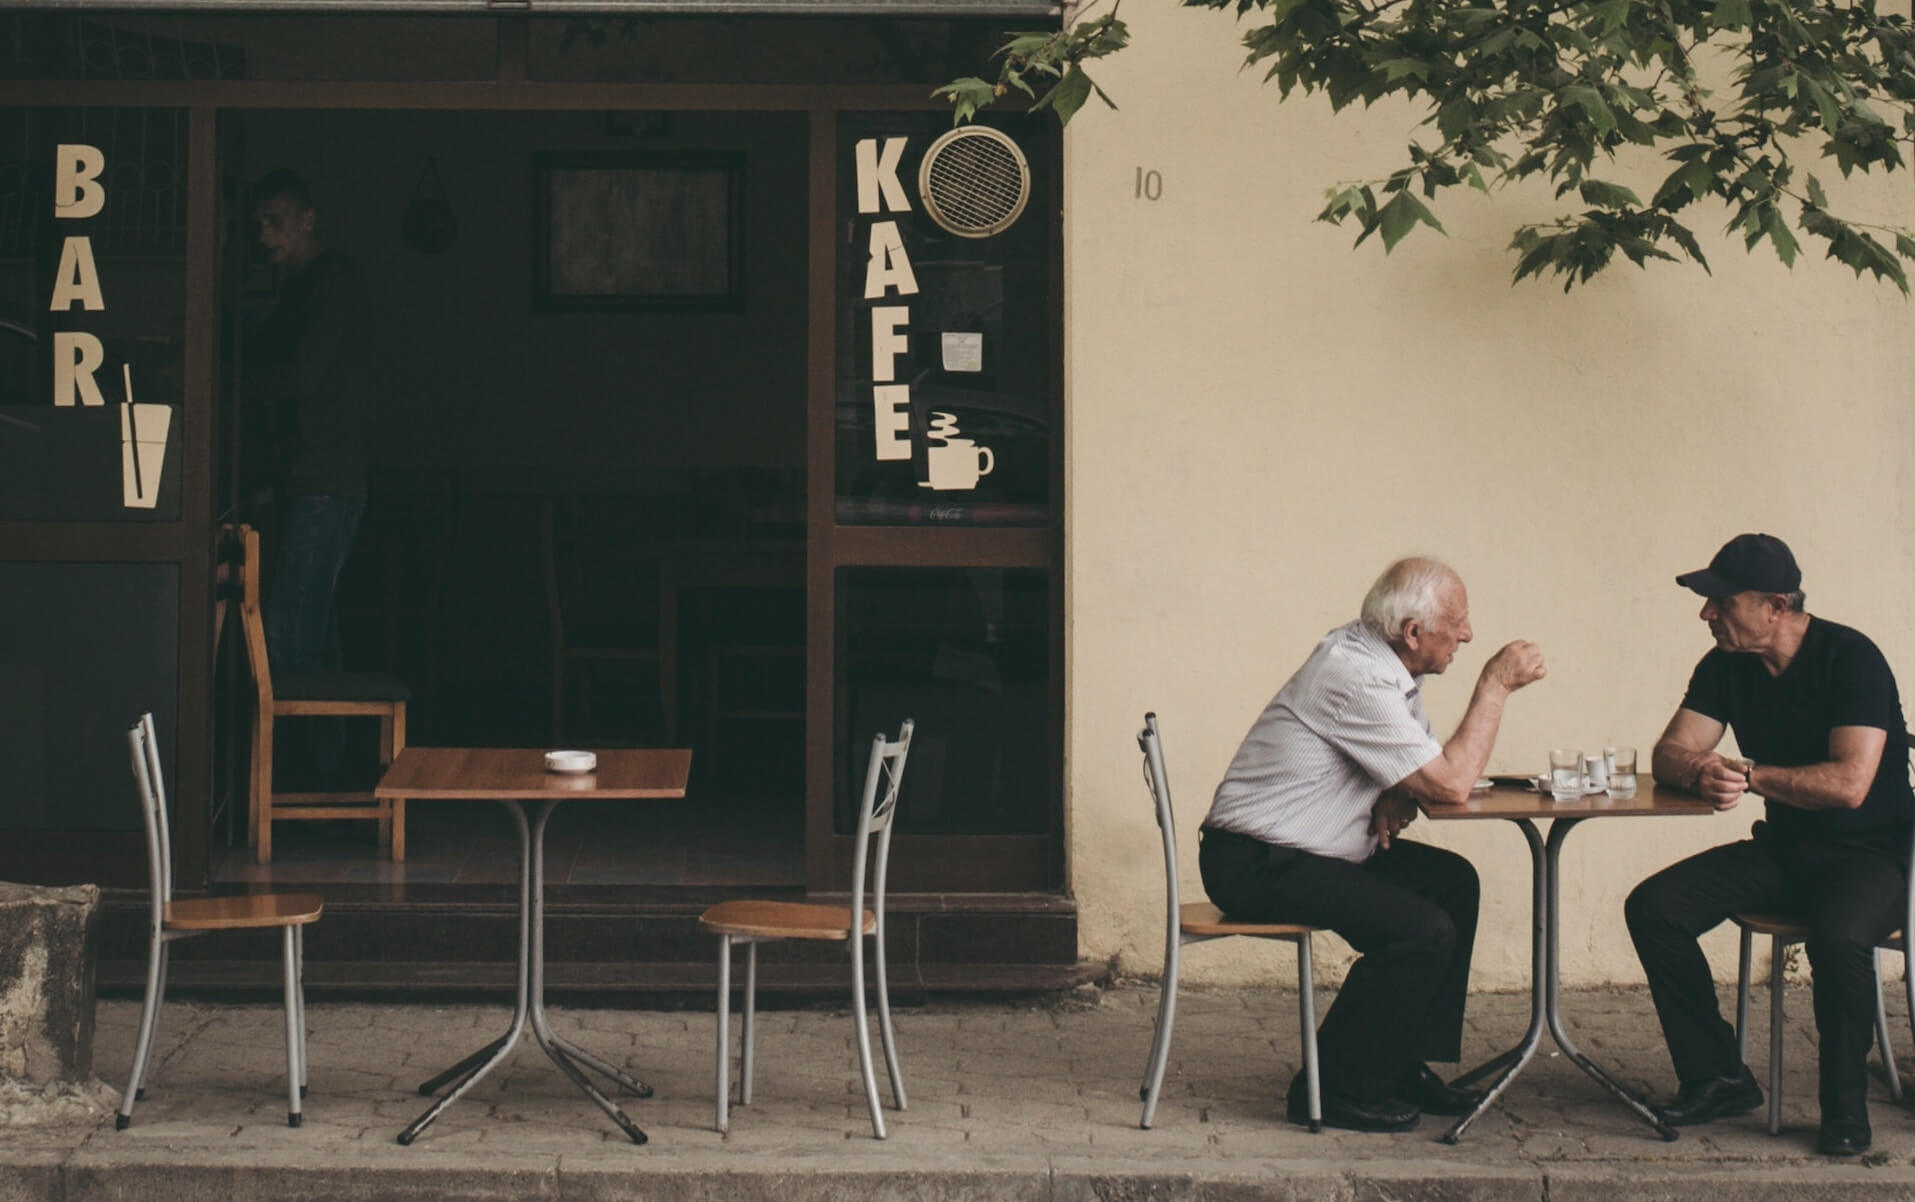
x: 987, y: 863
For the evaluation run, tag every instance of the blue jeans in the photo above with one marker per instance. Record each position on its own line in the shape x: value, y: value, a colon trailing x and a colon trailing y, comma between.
x: 315, y: 536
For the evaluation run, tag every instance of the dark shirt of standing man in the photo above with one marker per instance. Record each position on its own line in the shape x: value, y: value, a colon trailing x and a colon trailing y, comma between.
x: 1817, y: 716
x: 309, y: 360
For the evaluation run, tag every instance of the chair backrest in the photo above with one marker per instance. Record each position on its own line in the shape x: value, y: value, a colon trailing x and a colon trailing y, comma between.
x: 883, y: 776
x: 1158, y: 782
x: 252, y: 622
x: 144, y: 744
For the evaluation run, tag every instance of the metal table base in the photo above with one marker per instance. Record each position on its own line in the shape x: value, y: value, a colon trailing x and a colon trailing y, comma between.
x: 1545, y: 1003
x: 528, y: 1003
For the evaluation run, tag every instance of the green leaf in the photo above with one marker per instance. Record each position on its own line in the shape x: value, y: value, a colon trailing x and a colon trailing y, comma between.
x: 1730, y: 14
x: 1401, y: 216
x: 1817, y: 197
x: 1609, y: 196
x: 1070, y: 94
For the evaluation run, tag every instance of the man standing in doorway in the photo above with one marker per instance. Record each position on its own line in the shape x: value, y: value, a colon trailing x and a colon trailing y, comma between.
x: 1303, y: 829
x: 1815, y: 709
x: 310, y: 356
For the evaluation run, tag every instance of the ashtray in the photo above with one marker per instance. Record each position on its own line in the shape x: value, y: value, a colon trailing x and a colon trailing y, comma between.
x: 571, y: 761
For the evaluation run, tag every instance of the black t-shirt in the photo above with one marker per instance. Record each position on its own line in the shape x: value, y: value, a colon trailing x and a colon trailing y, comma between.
x: 1837, y: 678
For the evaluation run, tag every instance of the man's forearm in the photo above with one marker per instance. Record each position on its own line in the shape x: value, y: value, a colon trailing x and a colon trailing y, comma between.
x: 1830, y: 785
x: 1467, y: 752
x: 1679, y: 767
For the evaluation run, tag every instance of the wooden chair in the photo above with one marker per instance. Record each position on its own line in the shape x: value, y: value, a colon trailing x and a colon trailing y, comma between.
x: 1200, y: 922
x: 580, y: 641
x: 1783, y: 931
x: 313, y: 694
x: 170, y: 921
x: 755, y: 922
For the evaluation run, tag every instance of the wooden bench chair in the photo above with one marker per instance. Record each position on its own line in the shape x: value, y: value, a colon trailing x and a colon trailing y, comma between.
x: 308, y: 695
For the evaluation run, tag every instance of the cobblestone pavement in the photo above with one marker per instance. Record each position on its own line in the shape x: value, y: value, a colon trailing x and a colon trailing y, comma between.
x: 1007, y: 1100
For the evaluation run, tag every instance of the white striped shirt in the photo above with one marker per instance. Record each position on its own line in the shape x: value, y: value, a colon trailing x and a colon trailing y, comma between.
x: 1346, y: 727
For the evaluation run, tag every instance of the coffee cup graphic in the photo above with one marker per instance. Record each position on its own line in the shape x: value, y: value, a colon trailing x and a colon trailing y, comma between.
x: 956, y: 464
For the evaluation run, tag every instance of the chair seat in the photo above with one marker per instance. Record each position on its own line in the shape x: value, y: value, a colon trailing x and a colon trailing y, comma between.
x: 1202, y: 918
x: 783, y: 920
x: 243, y: 911
x: 339, y: 686
x: 1795, y: 928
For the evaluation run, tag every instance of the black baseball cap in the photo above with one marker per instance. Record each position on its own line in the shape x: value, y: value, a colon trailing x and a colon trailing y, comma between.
x: 1747, y: 563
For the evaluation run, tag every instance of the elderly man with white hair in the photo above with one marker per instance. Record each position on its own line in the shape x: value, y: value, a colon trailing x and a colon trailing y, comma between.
x: 1303, y: 829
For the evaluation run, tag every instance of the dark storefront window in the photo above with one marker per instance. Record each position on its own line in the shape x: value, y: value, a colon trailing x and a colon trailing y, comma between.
x: 63, y: 714
x: 966, y: 653
x: 92, y: 304
x: 944, y: 403
x: 289, y: 46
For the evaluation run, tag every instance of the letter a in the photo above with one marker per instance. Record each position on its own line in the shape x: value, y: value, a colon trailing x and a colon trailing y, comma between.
x: 889, y: 267
x: 76, y: 181
x: 76, y: 279
x: 76, y: 356
x: 878, y: 174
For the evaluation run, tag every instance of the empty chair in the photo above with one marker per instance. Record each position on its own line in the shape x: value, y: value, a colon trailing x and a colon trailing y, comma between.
x: 1784, y: 930
x: 1200, y: 922
x: 311, y: 695
x: 171, y: 921
x: 755, y: 922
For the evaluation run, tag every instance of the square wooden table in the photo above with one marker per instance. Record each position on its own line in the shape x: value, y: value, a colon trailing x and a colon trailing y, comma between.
x: 1525, y: 807
x: 514, y: 777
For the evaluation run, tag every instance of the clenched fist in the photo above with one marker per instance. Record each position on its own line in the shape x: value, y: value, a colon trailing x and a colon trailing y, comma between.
x: 1516, y: 665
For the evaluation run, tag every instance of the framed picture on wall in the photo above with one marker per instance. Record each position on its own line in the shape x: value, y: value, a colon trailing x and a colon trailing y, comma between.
x: 638, y: 231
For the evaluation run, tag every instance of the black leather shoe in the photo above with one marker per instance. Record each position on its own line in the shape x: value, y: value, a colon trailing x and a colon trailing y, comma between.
x: 1712, y: 1098
x: 1843, y: 1137
x: 1351, y: 1114
x: 1422, y: 1087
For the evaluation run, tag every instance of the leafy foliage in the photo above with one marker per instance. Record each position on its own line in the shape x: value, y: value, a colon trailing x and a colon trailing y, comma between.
x: 1561, y: 89
x: 1053, y: 62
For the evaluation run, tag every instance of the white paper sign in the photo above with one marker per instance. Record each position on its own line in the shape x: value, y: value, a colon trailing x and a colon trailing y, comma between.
x: 963, y: 352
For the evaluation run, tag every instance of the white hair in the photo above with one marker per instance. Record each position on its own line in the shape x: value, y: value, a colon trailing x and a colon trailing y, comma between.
x: 1408, y: 590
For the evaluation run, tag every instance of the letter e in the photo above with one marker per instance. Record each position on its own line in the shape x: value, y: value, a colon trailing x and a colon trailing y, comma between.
x: 76, y: 181
x: 76, y: 356
x: 891, y: 420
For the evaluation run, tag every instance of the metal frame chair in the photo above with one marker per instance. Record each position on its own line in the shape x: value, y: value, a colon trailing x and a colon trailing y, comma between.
x: 171, y: 921
x: 755, y: 922
x: 1200, y: 922
x: 1784, y: 931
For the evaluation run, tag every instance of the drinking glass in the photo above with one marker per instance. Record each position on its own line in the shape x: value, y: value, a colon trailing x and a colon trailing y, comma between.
x: 1622, y: 770
x: 1565, y: 773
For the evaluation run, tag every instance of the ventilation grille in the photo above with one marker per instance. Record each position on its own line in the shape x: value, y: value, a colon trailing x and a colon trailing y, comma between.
x: 974, y: 181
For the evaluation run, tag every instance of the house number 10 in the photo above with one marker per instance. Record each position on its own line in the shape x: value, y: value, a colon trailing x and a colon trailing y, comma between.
x: 1150, y: 185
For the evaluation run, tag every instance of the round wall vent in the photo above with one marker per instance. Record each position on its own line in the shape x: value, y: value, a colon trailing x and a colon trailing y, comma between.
x: 974, y: 181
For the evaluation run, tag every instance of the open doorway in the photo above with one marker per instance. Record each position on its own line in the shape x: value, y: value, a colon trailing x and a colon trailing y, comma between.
x: 585, y: 514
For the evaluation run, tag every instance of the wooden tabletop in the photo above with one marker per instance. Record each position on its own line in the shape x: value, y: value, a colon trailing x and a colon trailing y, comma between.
x: 1507, y: 801
x: 518, y: 774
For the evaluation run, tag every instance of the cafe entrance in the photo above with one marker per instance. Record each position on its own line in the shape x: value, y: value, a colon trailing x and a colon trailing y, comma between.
x: 803, y: 496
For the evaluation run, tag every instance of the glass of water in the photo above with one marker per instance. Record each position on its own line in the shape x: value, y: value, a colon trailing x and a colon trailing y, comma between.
x: 1622, y: 770
x: 1565, y: 773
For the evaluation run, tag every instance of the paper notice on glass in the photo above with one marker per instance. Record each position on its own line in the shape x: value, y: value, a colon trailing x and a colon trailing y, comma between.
x: 963, y: 352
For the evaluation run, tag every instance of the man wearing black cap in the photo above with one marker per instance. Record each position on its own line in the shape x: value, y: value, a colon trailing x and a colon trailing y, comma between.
x: 1816, y: 713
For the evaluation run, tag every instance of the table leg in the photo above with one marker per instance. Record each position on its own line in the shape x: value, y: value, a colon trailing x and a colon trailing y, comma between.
x: 1540, y: 941
x: 548, y: 1040
x: 486, y: 1058
x: 1558, y: 834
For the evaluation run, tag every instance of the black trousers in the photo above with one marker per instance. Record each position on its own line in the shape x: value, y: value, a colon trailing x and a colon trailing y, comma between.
x: 1850, y: 894
x: 1410, y: 911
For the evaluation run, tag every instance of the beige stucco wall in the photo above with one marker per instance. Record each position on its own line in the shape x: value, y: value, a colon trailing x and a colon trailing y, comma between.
x: 1261, y: 417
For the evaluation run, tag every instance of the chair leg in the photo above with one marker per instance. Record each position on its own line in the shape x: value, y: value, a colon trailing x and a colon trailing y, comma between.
x: 399, y: 830
x: 748, y: 1034
x: 1307, y: 1018
x: 299, y: 995
x: 263, y: 795
x: 723, y: 1119
x: 291, y: 972
x: 886, y: 1035
x: 149, y: 1024
x: 1881, y: 1034
x: 1743, y: 966
x: 1160, y: 1039
x: 393, y: 731
x: 1775, y: 1035
x: 862, y: 1017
